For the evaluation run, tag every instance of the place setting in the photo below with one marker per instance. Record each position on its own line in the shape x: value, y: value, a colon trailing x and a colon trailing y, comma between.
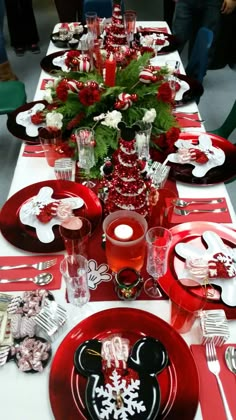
x: 202, y: 159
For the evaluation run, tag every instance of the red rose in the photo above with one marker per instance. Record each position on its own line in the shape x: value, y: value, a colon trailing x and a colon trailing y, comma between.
x: 172, y: 136
x: 37, y: 118
x: 88, y: 96
x: 164, y: 93
x: 62, y: 90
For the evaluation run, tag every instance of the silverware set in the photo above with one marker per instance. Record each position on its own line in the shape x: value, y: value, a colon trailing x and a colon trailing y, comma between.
x: 180, y: 206
x: 41, y: 279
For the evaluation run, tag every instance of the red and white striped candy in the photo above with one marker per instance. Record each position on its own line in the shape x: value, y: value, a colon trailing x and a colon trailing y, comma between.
x: 146, y: 76
x: 73, y: 85
x: 125, y: 98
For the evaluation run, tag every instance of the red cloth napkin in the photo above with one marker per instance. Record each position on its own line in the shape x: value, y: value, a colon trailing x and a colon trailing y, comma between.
x: 223, y: 217
x: 33, y: 148
x: 182, y: 119
x: 29, y: 272
x: 210, y: 399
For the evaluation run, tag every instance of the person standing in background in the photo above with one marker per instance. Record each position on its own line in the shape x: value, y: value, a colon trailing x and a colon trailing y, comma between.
x: 69, y: 10
x: 6, y: 72
x: 22, y: 26
x: 169, y: 8
x: 190, y: 15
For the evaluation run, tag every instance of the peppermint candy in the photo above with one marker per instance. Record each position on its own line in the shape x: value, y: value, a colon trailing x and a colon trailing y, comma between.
x: 146, y: 76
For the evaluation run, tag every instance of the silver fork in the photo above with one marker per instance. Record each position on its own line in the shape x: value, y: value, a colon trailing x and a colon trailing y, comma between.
x: 214, y: 367
x: 42, y: 265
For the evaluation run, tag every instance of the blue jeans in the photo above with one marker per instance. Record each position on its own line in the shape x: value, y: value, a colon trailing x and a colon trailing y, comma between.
x: 3, y: 53
x: 190, y: 15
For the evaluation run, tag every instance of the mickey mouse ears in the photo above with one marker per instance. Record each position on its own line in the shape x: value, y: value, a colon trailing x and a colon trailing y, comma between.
x: 128, y: 133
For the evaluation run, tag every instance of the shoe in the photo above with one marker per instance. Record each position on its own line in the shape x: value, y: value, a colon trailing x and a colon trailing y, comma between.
x: 34, y: 48
x: 20, y: 51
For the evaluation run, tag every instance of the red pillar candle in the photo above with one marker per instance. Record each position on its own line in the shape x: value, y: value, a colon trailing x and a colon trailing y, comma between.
x: 110, y: 71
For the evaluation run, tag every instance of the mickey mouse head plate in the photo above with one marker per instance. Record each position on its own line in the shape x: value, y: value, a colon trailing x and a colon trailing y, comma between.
x: 121, y: 383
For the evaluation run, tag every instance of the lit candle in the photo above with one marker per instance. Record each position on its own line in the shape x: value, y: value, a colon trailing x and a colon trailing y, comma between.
x: 123, y: 232
x: 110, y: 71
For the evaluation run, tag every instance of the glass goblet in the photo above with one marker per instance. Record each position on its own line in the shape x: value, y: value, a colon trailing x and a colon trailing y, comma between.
x: 85, y: 143
x: 158, y: 242
x: 129, y: 23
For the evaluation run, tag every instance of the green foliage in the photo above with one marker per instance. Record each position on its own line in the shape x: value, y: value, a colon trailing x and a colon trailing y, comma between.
x: 127, y: 81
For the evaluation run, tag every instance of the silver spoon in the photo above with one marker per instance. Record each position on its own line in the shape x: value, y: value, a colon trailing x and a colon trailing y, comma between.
x: 182, y: 203
x: 230, y: 358
x: 182, y: 212
x: 40, y: 280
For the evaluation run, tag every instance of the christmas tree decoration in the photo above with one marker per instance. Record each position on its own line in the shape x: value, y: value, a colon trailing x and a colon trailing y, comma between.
x: 127, y: 188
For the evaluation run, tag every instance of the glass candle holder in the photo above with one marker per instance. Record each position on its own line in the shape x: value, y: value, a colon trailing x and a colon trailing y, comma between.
x: 128, y: 284
x: 142, y: 139
x: 125, y: 240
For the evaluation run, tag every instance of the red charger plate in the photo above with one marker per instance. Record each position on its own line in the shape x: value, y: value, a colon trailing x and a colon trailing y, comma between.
x: 23, y: 236
x: 187, y: 232
x: 179, y: 400
x: 222, y: 173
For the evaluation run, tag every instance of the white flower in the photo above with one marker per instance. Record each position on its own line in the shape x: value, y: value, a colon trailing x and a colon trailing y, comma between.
x: 112, y: 119
x: 149, y: 115
x: 99, y: 117
x: 54, y: 119
x: 48, y: 96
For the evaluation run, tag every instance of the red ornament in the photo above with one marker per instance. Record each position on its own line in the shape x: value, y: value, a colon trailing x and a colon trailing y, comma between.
x: 80, y: 85
x: 134, y: 97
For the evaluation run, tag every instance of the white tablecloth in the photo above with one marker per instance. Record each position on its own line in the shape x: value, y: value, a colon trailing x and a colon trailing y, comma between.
x: 25, y: 396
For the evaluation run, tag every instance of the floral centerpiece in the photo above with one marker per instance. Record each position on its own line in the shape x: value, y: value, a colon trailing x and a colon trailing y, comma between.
x: 80, y: 98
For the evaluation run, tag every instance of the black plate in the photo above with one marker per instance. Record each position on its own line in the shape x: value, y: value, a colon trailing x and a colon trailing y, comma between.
x: 18, y: 130
x: 63, y: 44
x: 47, y: 62
x: 222, y: 173
x: 147, y: 358
x: 195, y: 90
x: 173, y: 41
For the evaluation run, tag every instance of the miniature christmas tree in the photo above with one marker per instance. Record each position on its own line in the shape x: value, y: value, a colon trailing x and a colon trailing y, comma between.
x: 127, y: 188
x: 116, y: 35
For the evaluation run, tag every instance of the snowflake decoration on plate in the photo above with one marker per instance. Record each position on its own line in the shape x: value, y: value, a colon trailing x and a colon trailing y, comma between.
x: 119, y: 399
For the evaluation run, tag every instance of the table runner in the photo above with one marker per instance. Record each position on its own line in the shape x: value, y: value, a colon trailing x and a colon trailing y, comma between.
x: 104, y: 290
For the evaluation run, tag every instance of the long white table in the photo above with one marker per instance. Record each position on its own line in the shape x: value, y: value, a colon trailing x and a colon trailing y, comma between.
x: 25, y: 396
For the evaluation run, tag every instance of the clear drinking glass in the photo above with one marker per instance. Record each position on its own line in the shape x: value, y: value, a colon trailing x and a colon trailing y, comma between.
x: 91, y: 22
x: 130, y: 23
x: 142, y: 139
x: 85, y: 143
x: 158, y: 243
x: 74, y: 269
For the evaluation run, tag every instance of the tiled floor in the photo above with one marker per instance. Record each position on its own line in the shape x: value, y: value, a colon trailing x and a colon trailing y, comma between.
x: 214, y: 106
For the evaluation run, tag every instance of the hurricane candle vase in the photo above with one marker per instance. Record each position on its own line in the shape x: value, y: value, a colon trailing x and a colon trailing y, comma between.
x: 125, y: 240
